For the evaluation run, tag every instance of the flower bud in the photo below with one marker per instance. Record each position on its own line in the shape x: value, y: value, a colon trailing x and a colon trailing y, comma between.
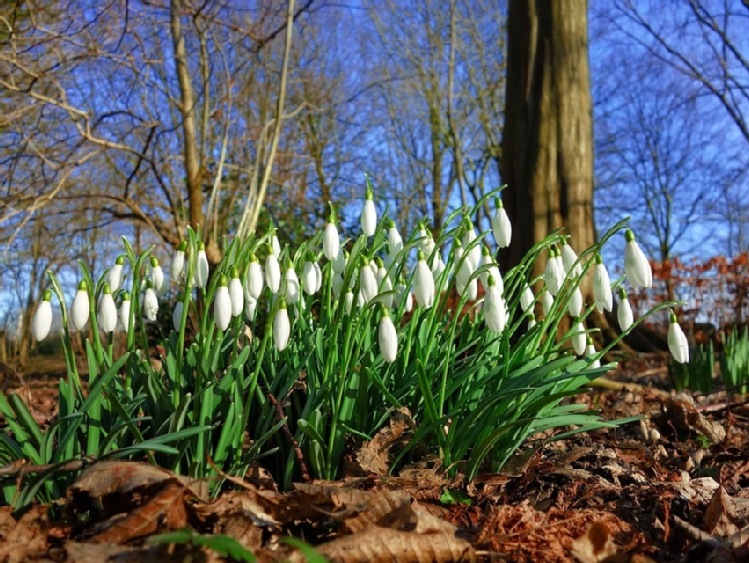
x: 178, y: 261
x: 281, y: 326
x: 388, y: 337
x: 201, y: 267
x: 331, y: 240
x: 42, y: 322
x: 114, y: 279
x: 222, y: 307
x: 624, y: 311
x: 236, y: 293
x: 107, y: 313
x: 368, y: 215
x: 501, y: 226
x: 423, y: 283
x: 636, y: 265
x: 677, y: 341
x: 124, y: 313
x: 602, y: 286
x: 79, y: 312
x: 254, y: 279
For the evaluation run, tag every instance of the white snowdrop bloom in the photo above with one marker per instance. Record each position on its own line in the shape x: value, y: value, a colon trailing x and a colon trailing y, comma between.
x: 292, y: 286
x: 309, y: 278
x: 367, y: 281
x: 177, y: 266
x: 423, y: 283
x: 42, y: 322
x: 281, y: 326
x: 395, y: 241
x: 579, y: 339
x: 150, y: 303
x: 272, y: 272
x: 318, y: 276
x: 106, y: 315
x: 590, y: 351
x: 493, y: 270
x: 388, y: 337
x: 624, y: 311
x: 339, y: 264
x: 368, y: 215
x: 466, y: 268
x: 602, y: 286
x: 274, y: 243
x: 157, y: 276
x: 201, y: 267
x: 438, y: 265
x: 179, y: 308
x: 348, y: 301
x: 250, y: 308
x: 124, y: 313
x: 254, y: 279
x: 114, y: 279
x: 385, y: 287
x: 575, y: 303
x: 677, y: 341
x: 402, y: 293
x: 569, y: 259
x: 527, y: 299
x: 474, y: 252
x: 331, y: 240
x: 79, y: 311
x: 495, y: 307
x: 222, y: 307
x: 501, y: 226
x: 553, y: 273
x: 425, y: 239
x: 636, y: 265
x: 236, y: 293
x: 547, y: 301
x: 337, y: 284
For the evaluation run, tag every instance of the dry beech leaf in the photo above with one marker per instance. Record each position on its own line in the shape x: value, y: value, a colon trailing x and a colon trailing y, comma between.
x: 24, y: 539
x: 373, y: 457
x: 594, y: 545
x: 720, y: 516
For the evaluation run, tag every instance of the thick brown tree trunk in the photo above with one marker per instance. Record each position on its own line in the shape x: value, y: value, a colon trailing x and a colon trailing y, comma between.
x: 547, y: 157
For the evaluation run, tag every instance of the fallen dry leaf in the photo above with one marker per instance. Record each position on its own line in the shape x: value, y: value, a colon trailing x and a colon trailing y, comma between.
x: 594, y: 545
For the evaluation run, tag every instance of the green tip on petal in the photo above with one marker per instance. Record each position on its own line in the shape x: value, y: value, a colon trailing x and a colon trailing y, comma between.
x: 333, y: 214
x: 201, y: 245
x: 629, y: 236
x: 622, y: 293
x: 233, y: 272
x: 389, y: 223
x: 120, y: 261
x: 253, y: 257
x: 154, y: 261
x: 83, y: 285
x: 500, y: 203
x: 485, y: 250
x: 588, y: 340
x: 672, y: 317
x: 420, y: 255
x: 182, y: 246
x: 385, y: 312
x: 281, y: 303
x: 47, y: 295
x: 105, y: 289
x: 379, y: 262
x: 125, y: 296
x: 598, y: 259
x: 223, y: 280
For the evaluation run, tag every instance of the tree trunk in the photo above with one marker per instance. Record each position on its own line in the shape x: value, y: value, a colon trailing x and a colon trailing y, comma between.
x: 547, y: 157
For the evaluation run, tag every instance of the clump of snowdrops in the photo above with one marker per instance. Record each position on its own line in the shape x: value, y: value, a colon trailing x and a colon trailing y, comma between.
x: 288, y: 357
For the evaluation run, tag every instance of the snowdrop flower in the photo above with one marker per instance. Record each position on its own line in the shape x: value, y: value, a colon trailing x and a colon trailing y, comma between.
x: 318, y: 276
x: 474, y: 252
x: 150, y: 303
x: 331, y: 241
x: 157, y: 275
x: 201, y: 267
x: 236, y: 293
x: 602, y: 286
x: 624, y: 311
x: 348, y: 301
x: 677, y: 341
x: 547, y: 301
x: 253, y: 284
x: 438, y: 265
x: 501, y: 226
x: 527, y: 299
x: 272, y: 271
x: 125, y: 312
x: 384, y: 285
x: 107, y: 313
x: 274, y: 244
x: 291, y: 285
x: 337, y: 284
x: 395, y: 241
x: 423, y: 283
x: 281, y: 326
x: 636, y: 265
x: 579, y: 339
x: 388, y: 337
x: 368, y: 215
x: 339, y: 264
x: 42, y: 322
x: 179, y: 307
x: 178, y: 261
x: 250, y: 308
x: 463, y: 281
x: 569, y: 259
x: 80, y: 309
x: 426, y: 241
x: 114, y: 279
x: 402, y: 293
x: 309, y: 278
x: 222, y: 306
x: 493, y: 270
x: 367, y: 281
x: 575, y: 304
x: 553, y: 273
x: 590, y: 351
x: 495, y: 308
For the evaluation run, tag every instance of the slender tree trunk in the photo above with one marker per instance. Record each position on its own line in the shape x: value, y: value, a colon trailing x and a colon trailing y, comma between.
x: 547, y: 157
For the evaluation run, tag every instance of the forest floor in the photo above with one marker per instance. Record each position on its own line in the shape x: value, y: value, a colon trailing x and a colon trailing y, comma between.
x: 673, y: 486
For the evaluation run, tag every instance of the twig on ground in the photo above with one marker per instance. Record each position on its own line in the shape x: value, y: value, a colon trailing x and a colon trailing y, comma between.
x: 297, y: 450
x: 603, y: 383
x: 21, y: 467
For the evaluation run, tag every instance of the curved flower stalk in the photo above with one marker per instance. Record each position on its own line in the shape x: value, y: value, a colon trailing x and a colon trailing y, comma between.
x: 236, y: 292
x: 80, y: 309
x: 222, y: 306
x: 281, y: 326
x: 42, y: 322
x: 387, y: 337
x: 501, y: 225
x: 636, y: 265
x: 602, y: 294
x: 107, y: 313
x: 678, y: 344
x: 624, y: 314
x: 201, y: 267
x: 114, y: 279
x: 177, y: 266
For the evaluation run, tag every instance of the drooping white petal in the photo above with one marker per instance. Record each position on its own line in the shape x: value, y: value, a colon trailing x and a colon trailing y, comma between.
x: 678, y: 344
x: 527, y: 299
x: 602, y: 287
x: 177, y: 265
x: 254, y: 279
x: 385, y: 287
x: 106, y: 315
x: 236, y: 294
x: 495, y: 308
x: 368, y: 218
x: 318, y: 276
x: 547, y: 301
x: 569, y: 257
x: 493, y: 270
x: 402, y: 293
x: 150, y: 304
x: 474, y: 252
x: 348, y: 301
x: 636, y: 265
x: 367, y: 282
x: 575, y: 304
x: 157, y: 276
x: 272, y: 273
x: 590, y: 351
x: 124, y: 315
x: 388, y: 338
x: 423, y: 283
x: 292, y: 287
x: 624, y: 314
x: 179, y: 307
x: 579, y: 339
x: 281, y: 328
x: 250, y: 308
x: 114, y: 279
x: 79, y: 312
x: 222, y: 306
x: 553, y: 274
x: 42, y: 322
x: 275, y: 244
x: 201, y: 267
x: 501, y: 226
x: 395, y: 241
x: 331, y: 241
x: 309, y: 278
